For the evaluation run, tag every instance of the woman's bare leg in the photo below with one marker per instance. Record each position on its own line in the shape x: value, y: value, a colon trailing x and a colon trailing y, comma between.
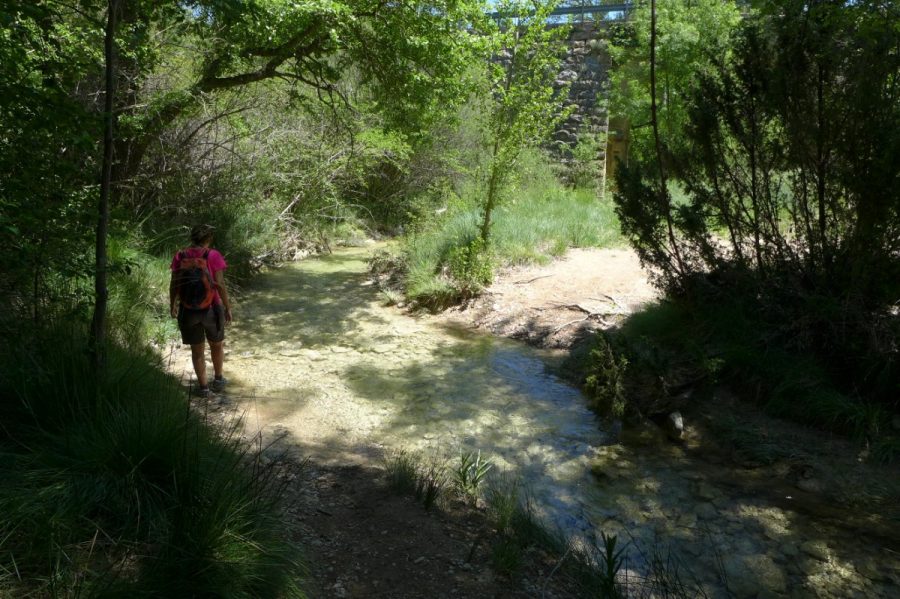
x: 198, y: 357
x: 217, y: 349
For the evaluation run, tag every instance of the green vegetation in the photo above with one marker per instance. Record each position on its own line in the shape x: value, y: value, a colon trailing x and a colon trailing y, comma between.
x: 650, y: 360
x: 540, y: 220
x: 470, y: 473
x: 412, y: 474
x: 520, y: 103
x: 114, y: 487
x: 286, y: 125
x: 780, y: 257
x: 760, y: 186
x: 591, y: 567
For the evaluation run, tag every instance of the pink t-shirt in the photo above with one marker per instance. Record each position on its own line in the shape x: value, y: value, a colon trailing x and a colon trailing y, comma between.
x: 214, y: 261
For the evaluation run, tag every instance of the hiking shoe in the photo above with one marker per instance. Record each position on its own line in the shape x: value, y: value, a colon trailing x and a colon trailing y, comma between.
x: 218, y: 383
x: 202, y: 392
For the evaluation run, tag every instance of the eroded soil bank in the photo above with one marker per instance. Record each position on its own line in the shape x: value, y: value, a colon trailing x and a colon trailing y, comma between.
x: 317, y: 363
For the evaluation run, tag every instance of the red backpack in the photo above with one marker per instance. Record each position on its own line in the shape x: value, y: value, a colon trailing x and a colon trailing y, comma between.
x: 195, y: 283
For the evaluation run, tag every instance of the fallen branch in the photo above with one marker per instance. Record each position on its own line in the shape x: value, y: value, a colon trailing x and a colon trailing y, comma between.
x: 531, y: 280
x: 616, y: 302
x: 571, y: 322
x: 578, y: 307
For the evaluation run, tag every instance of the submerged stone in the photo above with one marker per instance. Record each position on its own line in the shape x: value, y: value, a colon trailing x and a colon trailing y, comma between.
x: 816, y: 549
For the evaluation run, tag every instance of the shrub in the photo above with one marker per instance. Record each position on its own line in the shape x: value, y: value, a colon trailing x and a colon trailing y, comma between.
x: 409, y: 474
x: 471, y: 267
x: 605, y: 382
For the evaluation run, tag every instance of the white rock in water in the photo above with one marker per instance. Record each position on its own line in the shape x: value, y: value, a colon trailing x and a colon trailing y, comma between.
x: 675, y: 426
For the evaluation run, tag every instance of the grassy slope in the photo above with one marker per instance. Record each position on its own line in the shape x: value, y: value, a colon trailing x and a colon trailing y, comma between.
x: 115, y: 487
x: 540, y: 220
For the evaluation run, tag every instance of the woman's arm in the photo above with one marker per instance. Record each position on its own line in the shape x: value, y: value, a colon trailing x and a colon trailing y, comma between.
x: 223, y: 293
x: 173, y: 296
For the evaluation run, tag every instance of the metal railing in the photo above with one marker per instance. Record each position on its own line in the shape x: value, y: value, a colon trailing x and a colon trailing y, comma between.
x: 587, y: 13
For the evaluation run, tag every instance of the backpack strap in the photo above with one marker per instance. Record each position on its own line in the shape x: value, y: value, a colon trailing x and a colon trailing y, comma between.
x: 212, y: 279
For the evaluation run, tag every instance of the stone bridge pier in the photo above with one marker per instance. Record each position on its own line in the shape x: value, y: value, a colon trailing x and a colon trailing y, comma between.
x: 585, y: 69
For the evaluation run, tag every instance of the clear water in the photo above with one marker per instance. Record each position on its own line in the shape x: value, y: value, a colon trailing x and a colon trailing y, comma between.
x: 316, y: 356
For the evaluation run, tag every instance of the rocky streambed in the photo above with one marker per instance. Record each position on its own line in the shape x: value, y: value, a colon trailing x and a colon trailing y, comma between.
x: 316, y: 359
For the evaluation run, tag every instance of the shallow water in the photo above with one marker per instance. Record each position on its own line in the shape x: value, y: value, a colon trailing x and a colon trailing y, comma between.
x: 316, y: 357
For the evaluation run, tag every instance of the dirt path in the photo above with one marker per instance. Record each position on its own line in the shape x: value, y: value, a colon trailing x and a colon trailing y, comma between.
x: 333, y: 382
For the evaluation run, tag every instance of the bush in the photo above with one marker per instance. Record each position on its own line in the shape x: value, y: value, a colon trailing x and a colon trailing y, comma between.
x: 471, y: 267
x: 725, y: 338
x: 803, y: 250
x: 605, y: 382
x: 410, y: 474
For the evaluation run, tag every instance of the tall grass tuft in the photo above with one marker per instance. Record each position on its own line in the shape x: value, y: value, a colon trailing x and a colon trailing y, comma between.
x: 112, y: 486
x: 469, y: 473
x: 410, y: 474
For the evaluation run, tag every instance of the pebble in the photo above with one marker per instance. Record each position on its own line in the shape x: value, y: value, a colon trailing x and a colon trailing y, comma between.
x: 707, y: 491
x: 707, y: 511
x: 313, y: 355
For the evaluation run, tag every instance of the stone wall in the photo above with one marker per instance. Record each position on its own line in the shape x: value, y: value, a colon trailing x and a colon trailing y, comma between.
x: 586, y: 70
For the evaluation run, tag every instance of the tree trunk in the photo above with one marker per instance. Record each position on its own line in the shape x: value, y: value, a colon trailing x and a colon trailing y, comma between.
x: 664, y: 198
x: 821, y: 171
x: 491, y: 197
x: 494, y: 183
x: 97, y: 339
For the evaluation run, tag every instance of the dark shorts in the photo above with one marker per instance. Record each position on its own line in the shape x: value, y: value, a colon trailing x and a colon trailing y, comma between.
x: 195, y: 325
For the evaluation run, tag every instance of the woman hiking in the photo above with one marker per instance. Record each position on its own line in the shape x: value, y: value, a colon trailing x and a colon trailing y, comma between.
x: 199, y: 300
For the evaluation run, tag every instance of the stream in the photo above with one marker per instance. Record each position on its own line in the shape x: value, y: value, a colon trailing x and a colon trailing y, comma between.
x: 315, y: 357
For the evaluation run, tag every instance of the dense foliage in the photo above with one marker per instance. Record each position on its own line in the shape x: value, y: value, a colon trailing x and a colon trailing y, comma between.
x: 195, y: 82
x: 781, y: 147
x: 112, y: 487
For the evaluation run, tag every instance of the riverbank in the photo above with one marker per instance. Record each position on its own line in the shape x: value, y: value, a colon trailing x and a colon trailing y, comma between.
x: 560, y: 305
x: 319, y: 364
x: 786, y: 467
